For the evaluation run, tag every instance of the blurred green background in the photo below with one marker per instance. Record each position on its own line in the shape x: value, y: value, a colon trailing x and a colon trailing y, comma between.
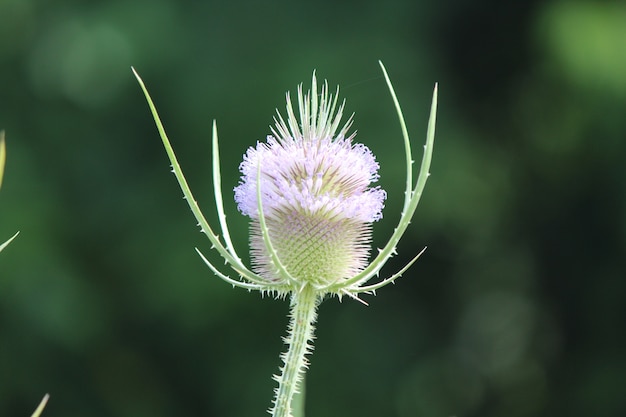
x: 516, y: 309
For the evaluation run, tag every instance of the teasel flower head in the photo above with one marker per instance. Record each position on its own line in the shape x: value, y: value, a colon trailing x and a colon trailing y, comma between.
x: 309, y: 192
x: 316, y: 194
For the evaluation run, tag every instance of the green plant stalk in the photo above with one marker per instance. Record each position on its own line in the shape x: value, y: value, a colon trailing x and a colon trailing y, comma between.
x: 304, y: 298
x: 303, y: 314
x: 297, y: 403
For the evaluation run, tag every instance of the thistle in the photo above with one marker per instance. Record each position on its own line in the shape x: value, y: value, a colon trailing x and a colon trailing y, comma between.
x: 3, y: 155
x: 308, y: 192
x: 314, y: 196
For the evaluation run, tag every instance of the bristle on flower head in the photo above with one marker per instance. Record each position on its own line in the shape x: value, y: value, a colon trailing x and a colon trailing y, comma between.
x: 315, y: 191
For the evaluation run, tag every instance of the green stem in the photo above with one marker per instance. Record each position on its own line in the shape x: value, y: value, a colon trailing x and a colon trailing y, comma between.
x: 299, y: 339
x: 298, y: 400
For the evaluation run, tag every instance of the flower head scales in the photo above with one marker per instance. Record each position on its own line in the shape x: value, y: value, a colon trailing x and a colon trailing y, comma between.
x: 315, y: 191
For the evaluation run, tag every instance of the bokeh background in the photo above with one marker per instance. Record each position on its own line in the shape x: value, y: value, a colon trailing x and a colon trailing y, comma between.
x: 516, y: 309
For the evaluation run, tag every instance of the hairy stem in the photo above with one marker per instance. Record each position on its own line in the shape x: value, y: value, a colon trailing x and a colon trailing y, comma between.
x: 299, y: 339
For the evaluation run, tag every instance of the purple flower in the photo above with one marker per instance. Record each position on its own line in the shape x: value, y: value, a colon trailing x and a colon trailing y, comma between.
x: 315, y: 186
